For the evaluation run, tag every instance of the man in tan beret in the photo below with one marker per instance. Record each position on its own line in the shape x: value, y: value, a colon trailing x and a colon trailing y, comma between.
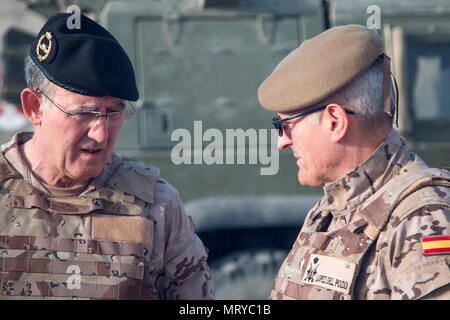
x: 381, y: 230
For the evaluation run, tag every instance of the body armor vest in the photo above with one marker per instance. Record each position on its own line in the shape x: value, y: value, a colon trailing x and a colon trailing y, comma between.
x: 96, y: 245
x: 324, y: 265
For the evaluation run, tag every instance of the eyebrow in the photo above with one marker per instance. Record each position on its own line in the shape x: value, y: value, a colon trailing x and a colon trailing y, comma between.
x: 120, y: 106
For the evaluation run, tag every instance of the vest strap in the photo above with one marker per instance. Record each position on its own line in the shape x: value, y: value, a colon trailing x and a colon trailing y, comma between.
x: 378, y: 210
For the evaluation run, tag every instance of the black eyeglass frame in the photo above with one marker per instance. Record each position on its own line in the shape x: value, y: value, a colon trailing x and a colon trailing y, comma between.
x: 96, y: 113
x: 278, y: 123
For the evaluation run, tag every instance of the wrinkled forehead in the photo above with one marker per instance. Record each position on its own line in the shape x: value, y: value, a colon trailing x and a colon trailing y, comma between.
x: 69, y: 98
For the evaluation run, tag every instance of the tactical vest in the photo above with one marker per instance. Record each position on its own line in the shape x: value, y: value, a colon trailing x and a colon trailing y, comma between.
x: 93, y: 246
x: 317, y: 255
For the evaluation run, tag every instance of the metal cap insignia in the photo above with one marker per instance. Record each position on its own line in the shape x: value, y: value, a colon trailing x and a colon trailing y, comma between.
x: 44, y: 46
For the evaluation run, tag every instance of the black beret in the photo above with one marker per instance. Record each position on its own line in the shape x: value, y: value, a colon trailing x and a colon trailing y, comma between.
x: 87, y: 60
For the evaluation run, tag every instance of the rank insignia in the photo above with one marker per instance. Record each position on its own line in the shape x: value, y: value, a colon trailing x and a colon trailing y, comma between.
x: 436, y: 245
x: 44, y: 46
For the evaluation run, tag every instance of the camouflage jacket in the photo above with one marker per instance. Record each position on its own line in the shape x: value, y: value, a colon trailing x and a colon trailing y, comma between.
x: 125, y: 235
x: 371, y: 236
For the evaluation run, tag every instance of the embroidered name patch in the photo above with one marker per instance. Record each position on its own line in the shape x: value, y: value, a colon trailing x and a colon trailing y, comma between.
x: 330, y: 273
x: 436, y: 245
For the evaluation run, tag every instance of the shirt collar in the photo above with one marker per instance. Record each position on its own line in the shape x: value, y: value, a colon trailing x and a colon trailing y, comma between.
x: 348, y: 192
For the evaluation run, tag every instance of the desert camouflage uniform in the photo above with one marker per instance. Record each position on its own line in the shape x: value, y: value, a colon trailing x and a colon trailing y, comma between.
x: 125, y: 236
x: 363, y: 239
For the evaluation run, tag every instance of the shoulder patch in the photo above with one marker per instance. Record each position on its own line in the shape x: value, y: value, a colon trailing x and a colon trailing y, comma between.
x: 436, y: 245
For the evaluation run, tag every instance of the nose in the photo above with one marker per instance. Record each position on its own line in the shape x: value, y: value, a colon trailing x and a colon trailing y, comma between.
x: 284, y: 141
x: 99, y: 131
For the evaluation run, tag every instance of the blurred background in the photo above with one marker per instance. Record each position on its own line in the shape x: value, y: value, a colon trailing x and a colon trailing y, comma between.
x: 203, y: 60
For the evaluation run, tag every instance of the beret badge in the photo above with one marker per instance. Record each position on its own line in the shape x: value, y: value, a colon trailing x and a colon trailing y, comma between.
x: 44, y: 46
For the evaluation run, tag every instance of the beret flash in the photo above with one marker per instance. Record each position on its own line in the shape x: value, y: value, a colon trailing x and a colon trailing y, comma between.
x: 87, y: 60
x: 319, y: 67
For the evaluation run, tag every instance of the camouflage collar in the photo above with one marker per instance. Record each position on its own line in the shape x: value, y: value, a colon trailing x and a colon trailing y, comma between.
x: 347, y: 193
x: 12, y: 154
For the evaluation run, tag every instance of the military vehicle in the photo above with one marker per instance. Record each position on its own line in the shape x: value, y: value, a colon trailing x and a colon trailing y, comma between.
x: 198, y: 65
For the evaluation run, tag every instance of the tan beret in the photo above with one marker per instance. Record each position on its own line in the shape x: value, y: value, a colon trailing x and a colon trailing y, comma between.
x: 320, y: 67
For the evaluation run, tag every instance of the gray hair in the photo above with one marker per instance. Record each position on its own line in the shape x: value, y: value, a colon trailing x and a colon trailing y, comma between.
x: 364, y: 96
x: 35, y: 78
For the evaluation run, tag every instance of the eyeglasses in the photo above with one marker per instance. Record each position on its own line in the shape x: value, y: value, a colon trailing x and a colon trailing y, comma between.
x: 87, y: 118
x: 278, y: 123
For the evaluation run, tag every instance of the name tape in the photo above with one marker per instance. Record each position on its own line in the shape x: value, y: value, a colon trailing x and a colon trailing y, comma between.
x: 330, y: 273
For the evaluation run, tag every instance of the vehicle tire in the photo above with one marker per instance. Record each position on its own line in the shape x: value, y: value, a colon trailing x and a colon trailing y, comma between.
x: 246, y: 275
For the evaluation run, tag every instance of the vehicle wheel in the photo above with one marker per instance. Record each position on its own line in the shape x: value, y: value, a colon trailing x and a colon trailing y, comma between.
x: 246, y: 275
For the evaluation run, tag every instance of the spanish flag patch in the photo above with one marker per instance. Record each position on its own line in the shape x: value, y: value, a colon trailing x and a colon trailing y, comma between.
x: 436, y: 245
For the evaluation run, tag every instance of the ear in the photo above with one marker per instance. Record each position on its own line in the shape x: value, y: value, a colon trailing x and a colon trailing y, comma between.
x: 336, y: 120
x: 31, y: 105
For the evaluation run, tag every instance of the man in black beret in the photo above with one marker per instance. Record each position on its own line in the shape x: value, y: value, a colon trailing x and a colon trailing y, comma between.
x: 78, y: 220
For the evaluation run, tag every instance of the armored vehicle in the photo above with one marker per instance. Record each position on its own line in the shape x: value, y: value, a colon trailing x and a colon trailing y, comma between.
x: 198, y: 65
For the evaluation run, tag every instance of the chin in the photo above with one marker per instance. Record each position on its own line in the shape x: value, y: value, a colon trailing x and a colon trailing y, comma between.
x: 87, y: 173
x: 308, y: 182
x: 302, y: 181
